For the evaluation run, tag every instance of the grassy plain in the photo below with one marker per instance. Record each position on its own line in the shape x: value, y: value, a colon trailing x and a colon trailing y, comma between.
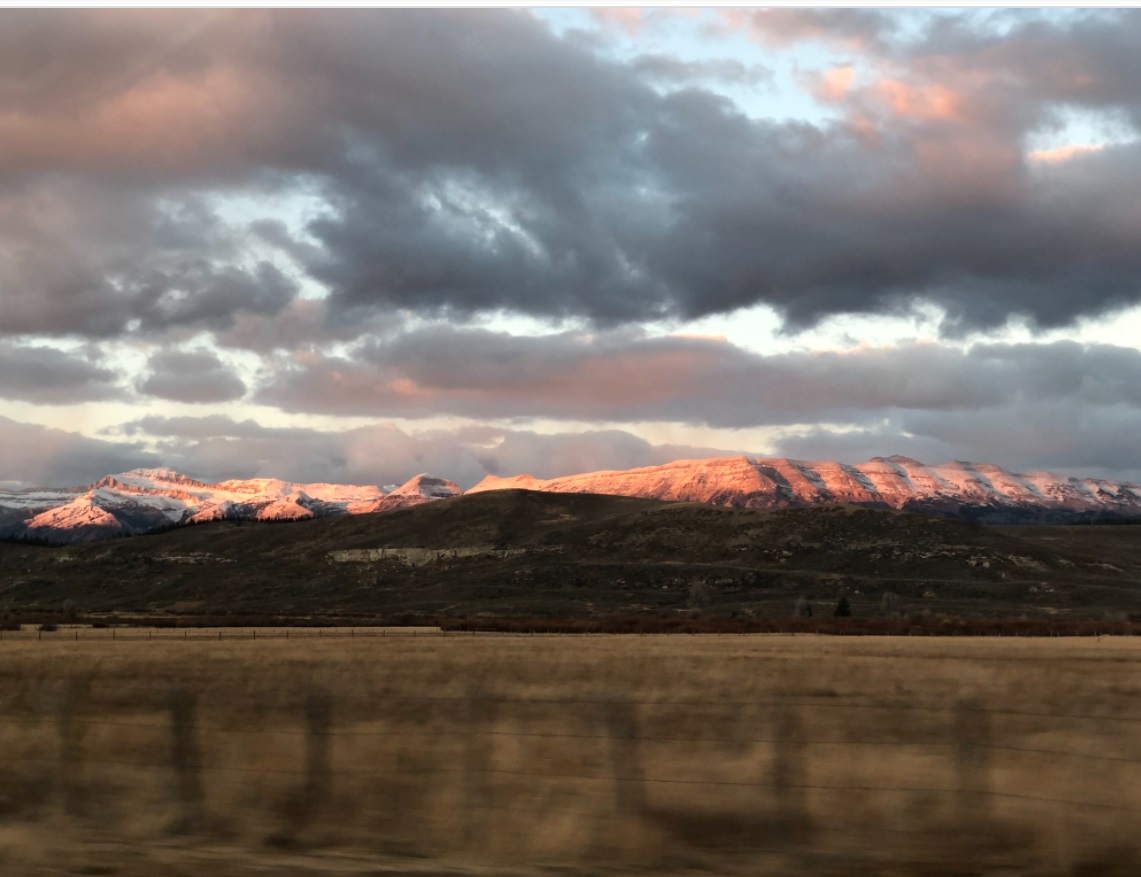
x: 773, y: 755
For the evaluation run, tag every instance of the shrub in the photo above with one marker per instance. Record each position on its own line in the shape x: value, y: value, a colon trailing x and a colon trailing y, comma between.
x: 48, y: 627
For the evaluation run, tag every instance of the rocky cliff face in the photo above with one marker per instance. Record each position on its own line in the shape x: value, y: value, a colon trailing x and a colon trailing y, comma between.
x: 978, y: 491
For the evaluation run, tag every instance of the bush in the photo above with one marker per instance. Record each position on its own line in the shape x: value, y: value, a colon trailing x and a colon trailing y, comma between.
x: 843, y: 609
x: 48, y: 627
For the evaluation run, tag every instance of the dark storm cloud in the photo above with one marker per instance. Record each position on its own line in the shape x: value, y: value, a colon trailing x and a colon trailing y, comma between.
x: 38, y: 456
x: 92, y: 259
x: 53, y: 377
x: 190, y: 376
x: 474, y: 162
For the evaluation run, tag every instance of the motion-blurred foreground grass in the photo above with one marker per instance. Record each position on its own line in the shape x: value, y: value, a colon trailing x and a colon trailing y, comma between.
x: 598, y: 754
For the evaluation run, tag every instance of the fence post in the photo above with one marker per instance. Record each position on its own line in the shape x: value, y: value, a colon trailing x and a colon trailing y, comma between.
x: 301, y: 807
x: 972, y: 737
x: 71, y: 745
x: 186, y: 759
x: 318, y: 761
x: 477, y: 757
x: 788, y: 774
x: 625, y: 759
x: 318, y: 757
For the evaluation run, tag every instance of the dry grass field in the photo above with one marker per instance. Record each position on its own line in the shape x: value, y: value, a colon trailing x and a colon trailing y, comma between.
x: 773, y: 755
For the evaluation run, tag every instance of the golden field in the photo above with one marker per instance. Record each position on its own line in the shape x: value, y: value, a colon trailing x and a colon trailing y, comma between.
x: 775, y: 755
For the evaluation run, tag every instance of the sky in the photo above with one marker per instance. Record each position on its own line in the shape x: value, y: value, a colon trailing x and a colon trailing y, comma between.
x: 354, y: 245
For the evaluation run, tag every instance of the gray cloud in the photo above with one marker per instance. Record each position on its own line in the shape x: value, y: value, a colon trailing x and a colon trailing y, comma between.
x: 1079, y: 439
x: 50, y: 376
x: 852, y: 28
x: 668, y: 69
x: 217, y: 447
x: 627, y: 377
x: 98, y: 260
x: 190, y: 376
x: 38, y: 456
x: 541, y: 178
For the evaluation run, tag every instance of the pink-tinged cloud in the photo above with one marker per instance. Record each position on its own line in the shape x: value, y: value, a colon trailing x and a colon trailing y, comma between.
x: 1062, y: 154
x: 929, y: 103
x: 629, y: 19
x: 854, y: 29
x: 836, y: 83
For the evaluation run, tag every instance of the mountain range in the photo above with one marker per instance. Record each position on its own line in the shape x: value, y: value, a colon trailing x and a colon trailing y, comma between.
x: 146, y: 500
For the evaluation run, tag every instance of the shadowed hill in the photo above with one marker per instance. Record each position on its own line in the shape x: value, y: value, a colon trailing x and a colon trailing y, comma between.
x: 589, y: 555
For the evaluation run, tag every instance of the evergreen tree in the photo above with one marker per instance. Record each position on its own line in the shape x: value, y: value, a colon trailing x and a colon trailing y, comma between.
x: 843, y: 610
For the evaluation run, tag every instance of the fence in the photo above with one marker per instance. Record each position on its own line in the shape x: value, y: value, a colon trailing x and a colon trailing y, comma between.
x: 576, y: 778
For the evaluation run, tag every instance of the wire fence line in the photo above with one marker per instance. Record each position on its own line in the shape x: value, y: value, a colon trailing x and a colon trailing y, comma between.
x: 93, y: 720
x: 183, y: 750
x: 301, y: 772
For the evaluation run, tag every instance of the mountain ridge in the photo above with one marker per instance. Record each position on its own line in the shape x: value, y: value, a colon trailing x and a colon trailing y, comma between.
x: 145, y: 500
x: 957, y: 489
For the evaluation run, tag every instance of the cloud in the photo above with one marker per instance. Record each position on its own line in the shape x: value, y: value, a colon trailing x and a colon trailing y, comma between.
x: 1079, y: 439
x: 50, y: 376
x: 628, y: 377
x: 848, y: 28
x: 190, y: 376
x: 88, y: 258
x: 217, y: 447
x: 668, y: 69
x: 545, y: 178
x: 37, y: 456
x: 1064, y: 153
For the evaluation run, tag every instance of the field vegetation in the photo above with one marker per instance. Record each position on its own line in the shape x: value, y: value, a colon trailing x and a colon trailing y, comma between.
x: 479, y: 754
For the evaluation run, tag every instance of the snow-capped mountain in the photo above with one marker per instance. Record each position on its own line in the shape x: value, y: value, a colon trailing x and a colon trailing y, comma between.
x: 978, y: 491
x: 144, y: 500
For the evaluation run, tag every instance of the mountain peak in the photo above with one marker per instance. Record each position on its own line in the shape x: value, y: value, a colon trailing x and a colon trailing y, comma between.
x: 428, y: 485
x: 161, y: 475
